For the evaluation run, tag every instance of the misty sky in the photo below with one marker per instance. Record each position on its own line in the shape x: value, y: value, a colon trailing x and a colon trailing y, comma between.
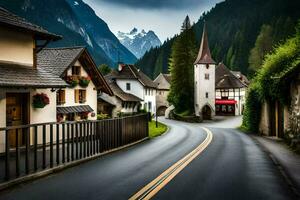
x: 164, y: 17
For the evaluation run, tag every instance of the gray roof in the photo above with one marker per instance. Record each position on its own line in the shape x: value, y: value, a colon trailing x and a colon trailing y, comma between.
x: 11, y: 20
x: 241, y: 76
x: 74, y: 109
x: 14, y: 75
x: 57, y: 60
x: 163, y: 81
x: 226, y: 80
x: 131, y: 72
x: 124, y: 96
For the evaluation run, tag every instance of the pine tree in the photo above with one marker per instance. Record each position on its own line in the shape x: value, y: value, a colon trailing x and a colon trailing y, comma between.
x: 186, y: 24
x: 181, y: 68
x: 263, y: 46
x: 104, y: 69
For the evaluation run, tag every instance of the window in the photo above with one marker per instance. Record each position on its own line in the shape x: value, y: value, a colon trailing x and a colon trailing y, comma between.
x: 207, y: 66
x: 206, y: 76
x: 149, y: 106
x: 60, y: 97
x: 70, y: 117
x: 128, y: 86
x: 206, y: 94
x: 80, y: 96
x: 76, y: 70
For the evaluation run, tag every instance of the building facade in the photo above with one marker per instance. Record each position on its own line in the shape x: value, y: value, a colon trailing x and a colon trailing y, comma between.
x: 118, y: 104
x: 133, y: 81
x: 26, y: 91
x: 163, y: 82
x: 204, y: 80
x: 230, y: 92
x: 75, y: 66
x: 278, y: 119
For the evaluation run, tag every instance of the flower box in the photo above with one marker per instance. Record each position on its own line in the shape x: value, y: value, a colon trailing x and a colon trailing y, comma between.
x: 40, y: 100
x: 73, y: 81
x: 84, y: 81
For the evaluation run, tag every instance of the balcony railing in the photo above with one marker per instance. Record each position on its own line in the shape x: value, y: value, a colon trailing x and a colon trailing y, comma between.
x: 38, y: 147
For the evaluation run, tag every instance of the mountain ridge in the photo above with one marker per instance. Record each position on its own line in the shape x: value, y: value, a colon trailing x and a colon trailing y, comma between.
x: 63, y: 18
x: 139, y: 42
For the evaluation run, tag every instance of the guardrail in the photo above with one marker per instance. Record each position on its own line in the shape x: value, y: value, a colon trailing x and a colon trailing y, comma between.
x: 38, y: 147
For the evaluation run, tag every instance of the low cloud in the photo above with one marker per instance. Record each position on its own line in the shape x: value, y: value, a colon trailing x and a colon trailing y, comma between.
x: 159, y: 4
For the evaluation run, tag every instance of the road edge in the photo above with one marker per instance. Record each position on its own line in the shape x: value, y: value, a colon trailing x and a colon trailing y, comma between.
x: 284, y: 173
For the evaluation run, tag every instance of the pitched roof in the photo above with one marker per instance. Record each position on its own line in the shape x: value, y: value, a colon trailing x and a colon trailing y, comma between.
x: 167, y: 77
x: 124, y: 96
x: 241, y: 76
x: 14, y: 75
x: 204, y: 56
x: 59, y: 60
x: 163, y: 81
x: 131, y: 72
x: 225, y: 79
x: 11, y: 20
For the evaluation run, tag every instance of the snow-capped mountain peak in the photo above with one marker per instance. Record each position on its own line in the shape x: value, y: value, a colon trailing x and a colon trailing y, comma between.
x: 138, y: 42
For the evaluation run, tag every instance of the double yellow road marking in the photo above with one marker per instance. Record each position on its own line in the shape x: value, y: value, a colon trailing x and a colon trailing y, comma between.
x: 158, y: 183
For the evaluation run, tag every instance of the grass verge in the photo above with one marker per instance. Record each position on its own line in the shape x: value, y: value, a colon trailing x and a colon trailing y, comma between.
x: 154, y: 132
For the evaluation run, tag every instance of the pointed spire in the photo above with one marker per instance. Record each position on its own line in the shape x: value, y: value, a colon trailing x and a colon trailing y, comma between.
x: 204, y: 56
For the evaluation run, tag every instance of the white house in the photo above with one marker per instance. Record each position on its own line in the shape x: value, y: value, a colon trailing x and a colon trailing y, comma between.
x: 204, y: 81
x: 74, y: 65
x: 22, y: 82
x: 133, y: 81
x: 230, y: 92
x: 119, y: 103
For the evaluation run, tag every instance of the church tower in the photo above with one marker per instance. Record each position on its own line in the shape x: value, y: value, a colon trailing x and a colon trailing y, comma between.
x: 204, y: 82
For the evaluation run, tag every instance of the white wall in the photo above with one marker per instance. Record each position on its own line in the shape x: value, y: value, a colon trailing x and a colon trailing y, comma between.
x: 91, y: 93
x: 41, y: 115
x: 136, y: 88
x: 202, y: 86
x: 237, y: 95
x: 16, y: 47
x: 150, y: 96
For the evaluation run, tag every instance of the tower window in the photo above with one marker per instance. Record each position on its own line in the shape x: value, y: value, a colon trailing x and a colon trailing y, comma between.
x: 206, y: 94
x: 207, y: 66
x: 128, y: 86
x: 206, y: 76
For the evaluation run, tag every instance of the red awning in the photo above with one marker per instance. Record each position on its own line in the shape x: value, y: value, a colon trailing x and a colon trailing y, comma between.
x: 226, y: 101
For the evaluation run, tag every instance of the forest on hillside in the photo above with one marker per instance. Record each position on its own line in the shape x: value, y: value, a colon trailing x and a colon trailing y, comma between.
x: 236, y: 29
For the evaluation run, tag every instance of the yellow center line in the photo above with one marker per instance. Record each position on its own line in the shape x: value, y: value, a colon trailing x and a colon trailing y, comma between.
x: 163, y: 179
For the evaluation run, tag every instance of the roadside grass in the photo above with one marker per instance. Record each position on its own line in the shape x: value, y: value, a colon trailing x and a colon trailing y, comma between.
x: 154, y: 132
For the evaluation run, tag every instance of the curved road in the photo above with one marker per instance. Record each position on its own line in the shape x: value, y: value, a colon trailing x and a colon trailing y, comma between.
x: 233, y: 166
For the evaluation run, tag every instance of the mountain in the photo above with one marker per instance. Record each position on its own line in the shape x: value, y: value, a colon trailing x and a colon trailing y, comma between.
x: 77, y: 23
x: 139, y: 42
x: 233, y: 28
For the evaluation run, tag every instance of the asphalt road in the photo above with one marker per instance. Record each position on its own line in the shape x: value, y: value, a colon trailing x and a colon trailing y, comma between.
x: 233, y: 166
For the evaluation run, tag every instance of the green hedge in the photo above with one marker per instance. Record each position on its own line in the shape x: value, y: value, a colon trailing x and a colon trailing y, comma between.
x: 272, y: 81
x: 252, y: 112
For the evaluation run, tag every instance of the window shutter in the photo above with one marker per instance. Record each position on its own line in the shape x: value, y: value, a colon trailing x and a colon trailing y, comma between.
x: 63, y: 96
x: 76, y: 97
x: 84, y: 95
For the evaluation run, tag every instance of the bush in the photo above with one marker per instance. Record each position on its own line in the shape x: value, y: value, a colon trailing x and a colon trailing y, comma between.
x: 102, y: 116
x: 252, y: 112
